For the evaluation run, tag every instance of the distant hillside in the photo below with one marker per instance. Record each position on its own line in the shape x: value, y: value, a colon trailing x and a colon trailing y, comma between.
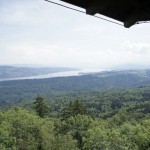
x: 29, y: 89
x: 17, y: 72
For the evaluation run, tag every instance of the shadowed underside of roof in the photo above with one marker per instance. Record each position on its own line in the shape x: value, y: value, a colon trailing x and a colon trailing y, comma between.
x: 127, y: 11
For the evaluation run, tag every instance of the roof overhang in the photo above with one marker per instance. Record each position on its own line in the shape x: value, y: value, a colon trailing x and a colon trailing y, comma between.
x: 127, y: 11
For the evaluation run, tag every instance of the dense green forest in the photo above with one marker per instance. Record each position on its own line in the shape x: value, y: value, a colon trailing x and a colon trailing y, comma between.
x: 90, y: 112
x: 80, y: 120
x: 23, y: 90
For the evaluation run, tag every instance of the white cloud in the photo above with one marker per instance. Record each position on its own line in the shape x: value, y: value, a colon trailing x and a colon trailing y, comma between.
x: 37, y: 32
x: 137, y: 47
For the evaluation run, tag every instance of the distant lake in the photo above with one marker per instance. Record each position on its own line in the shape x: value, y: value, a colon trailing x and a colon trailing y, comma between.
x: 53, y: 75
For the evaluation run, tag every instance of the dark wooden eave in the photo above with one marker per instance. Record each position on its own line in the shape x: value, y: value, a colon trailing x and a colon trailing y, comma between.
x: 127, y: 11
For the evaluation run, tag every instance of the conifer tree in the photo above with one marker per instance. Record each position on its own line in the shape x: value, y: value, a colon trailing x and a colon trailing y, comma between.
x: 40, y: 107
x: 73, y: 109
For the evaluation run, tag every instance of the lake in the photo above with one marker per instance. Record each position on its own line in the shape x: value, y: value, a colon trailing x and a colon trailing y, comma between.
x: 53, y: 75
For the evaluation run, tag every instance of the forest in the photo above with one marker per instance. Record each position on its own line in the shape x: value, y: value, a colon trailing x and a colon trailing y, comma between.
x: 104, y: 104
x: 12, y: 92
x: 116, y: 119
x: 101, y: 111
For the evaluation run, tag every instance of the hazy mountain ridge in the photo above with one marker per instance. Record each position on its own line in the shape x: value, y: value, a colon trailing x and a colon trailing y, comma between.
x: 139, y: 73
x: 28, y: 89
x: 17, y: 72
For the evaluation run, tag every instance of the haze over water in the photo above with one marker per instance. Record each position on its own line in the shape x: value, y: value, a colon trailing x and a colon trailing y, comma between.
x: 53, y: 75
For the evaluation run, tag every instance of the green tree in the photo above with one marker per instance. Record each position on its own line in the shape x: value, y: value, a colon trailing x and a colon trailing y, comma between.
x: 73, y: 109
x: 100, y: 137
x: 78, y: 108
x: 76, y: 126
x: 64, y: 142
x: 40, y: 107
x: 22, y: 130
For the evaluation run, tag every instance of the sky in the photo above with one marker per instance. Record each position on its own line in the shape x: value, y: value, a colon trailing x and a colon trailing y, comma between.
x: 40, y: 33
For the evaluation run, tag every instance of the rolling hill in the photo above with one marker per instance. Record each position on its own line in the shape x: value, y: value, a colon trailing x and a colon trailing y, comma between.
x: 8, y: 72
x: 12, y: 91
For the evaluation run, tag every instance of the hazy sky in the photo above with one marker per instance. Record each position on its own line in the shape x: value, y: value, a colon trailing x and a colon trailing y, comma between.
x: 37, y: 32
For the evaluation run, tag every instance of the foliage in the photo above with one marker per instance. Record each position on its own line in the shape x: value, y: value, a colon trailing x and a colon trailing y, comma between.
x: 113, y: 120
x: 40, y: 107
x: 76, y: 126
x: 21, y: 129
x: 73, y: 109
x: 21, y: 90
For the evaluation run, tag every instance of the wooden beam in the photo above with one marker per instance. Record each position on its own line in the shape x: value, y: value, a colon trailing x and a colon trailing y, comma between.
x: 97, y: 6
x: 133, y: 18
